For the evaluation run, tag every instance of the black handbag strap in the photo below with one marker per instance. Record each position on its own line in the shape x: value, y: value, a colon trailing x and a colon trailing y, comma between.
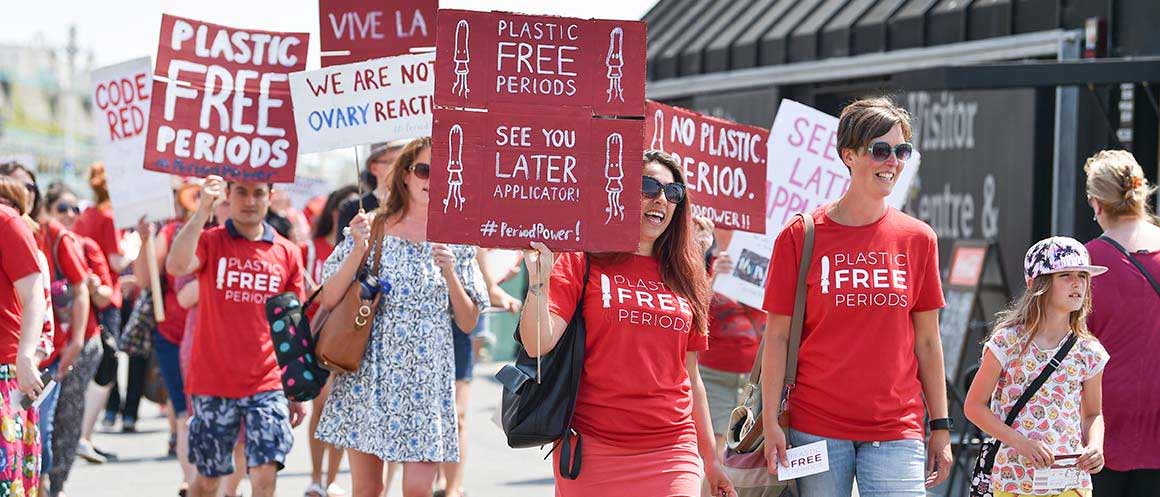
x: 571, y: 454
x: 1048, y: 370
x: 1135, y: 262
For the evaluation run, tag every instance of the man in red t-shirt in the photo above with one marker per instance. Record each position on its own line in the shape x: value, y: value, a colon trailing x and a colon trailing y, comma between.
x: 870, y: 358
x: 233, y: 373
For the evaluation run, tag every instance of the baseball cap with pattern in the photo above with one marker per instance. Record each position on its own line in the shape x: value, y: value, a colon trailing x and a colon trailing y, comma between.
x: 1058, y: 254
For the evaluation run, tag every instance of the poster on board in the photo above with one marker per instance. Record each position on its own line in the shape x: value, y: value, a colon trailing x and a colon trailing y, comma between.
x: 378, y: 100
x: 538, y: 131
x: 358, y: 30
x: 120, y: 97
x: 804, y: 172
x: 724, y: 162
x: 221, y: 102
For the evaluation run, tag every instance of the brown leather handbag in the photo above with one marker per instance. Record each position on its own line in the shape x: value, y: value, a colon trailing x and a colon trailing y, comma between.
x: 343, y: 332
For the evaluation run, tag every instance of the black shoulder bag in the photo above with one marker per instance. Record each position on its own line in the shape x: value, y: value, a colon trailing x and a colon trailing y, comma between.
x: 981, y: 474
x: 539, y: 394
x: 1134, y: 261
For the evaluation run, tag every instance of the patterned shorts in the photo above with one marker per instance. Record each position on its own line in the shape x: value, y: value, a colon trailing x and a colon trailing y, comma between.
x: 213, y: 431
x: 19, y: 442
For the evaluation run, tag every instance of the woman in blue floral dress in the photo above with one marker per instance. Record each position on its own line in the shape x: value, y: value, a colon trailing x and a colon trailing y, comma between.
x: 399, y: 406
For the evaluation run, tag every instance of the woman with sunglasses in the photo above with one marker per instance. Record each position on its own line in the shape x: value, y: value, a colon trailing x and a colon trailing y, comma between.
x: 23, y: 308
x: 399, y: 406
x: 870, y: 360
x: 641, y: 413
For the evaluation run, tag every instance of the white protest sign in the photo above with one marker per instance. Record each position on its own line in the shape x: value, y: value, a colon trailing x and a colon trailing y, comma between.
x: 804, y: 172
x: 1061, y: 476
x: 804, y: 461
x: 121, y: 98
x: 377, y: 100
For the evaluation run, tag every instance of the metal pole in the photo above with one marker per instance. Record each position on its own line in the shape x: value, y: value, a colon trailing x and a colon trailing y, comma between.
x: 1066, y: 167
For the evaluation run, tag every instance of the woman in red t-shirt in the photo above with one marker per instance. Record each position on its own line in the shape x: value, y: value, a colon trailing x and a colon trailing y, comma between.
x: 22, y: 315
x: 641, y: 406
x: 1118, y: 192
x: 870, y: 357
x: 314, y: 254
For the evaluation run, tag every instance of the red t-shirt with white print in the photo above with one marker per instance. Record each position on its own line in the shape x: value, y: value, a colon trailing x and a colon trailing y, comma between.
x: 635, y: 391
x: 233, y: 355
x: 18, y: 260
x: 857, y: 371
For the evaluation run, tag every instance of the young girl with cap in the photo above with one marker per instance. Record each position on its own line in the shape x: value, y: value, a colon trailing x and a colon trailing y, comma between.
x: 1061, y: 426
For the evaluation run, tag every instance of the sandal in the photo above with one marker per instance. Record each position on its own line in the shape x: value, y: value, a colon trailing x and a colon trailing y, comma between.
x: 315, y: 490
x: 335, y: 490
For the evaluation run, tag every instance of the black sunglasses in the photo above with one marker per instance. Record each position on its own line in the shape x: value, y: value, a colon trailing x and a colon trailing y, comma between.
x: 651, y: 188
x: 422, y: 170
x: 880, y: 151
x: 66, y: 208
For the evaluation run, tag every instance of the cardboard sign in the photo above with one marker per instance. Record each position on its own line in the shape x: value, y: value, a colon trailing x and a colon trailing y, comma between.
x: 806, y: 460
x: 364, y: 102
x: 498, y: 57
x: 222, y: 102
x: 120, y: 97
x: 804, y: 172
x: 724, y: 163
x: 358, y: 30
x: 510, y: 176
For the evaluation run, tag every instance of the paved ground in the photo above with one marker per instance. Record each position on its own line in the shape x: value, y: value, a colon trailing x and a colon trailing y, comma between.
x: 493, y: 468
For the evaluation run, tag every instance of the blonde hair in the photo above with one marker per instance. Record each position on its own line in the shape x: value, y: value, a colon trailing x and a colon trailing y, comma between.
x: 1116, y: 181
x: 1028, y: 312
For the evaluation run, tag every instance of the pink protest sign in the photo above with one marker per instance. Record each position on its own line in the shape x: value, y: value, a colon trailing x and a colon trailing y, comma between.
x: 724, y: 163
x: 514, y: 175
x: 498, y: 57
x: 221, y: 102
x: 358, y: 30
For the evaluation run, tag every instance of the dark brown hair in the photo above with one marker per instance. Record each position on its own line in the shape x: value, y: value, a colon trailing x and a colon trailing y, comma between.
x: 681, y: 263
x: 14, y: 192
x: 324, y: 224
x: 867, y: 119
x: 398, y: 201
x: 8, y: 168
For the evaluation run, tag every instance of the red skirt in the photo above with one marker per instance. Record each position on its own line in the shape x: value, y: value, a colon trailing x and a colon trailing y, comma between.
x: 608, y: 471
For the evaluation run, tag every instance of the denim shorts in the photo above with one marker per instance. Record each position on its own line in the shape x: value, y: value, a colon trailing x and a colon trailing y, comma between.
x: 169, y: 362
x: 884, y: 468
x: 213, y: 431
x: 464, y: 355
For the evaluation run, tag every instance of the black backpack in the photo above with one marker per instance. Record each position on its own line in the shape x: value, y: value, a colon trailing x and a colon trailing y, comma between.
x: 540, y: 413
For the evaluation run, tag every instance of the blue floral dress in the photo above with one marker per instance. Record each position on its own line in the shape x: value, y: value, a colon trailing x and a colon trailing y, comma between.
x: 400, y: 404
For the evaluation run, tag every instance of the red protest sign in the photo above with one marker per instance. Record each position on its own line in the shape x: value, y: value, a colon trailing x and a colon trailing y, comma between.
x: 724, y: 163
x: 221, y: 102
x: 498, y: 57
x: 358, y: 30
x: 515, y: 175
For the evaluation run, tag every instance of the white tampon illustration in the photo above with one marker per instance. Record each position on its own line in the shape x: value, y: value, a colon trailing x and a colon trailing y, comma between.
x: 605, y: 291
x: 615, y: 63
x: 825, y: 274
x: 658, y: 138
x: 221, y: 272
x: 614, y: 173
x: 454, y: 170
x: 462, y: 58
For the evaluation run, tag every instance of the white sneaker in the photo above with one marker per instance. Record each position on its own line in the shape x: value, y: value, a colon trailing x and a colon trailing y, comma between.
x: 335, y: 490
x: 86, y: 452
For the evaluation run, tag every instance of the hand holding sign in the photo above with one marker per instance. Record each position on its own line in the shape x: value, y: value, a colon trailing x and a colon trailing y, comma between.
x: 540, y: 260
x: 214, y: 189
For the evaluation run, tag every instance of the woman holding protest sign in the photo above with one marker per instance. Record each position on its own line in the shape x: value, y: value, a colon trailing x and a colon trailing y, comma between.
x: 641, y: 411
x: 870, y: 352
x: 1118, y: 192
x: 399, y: 405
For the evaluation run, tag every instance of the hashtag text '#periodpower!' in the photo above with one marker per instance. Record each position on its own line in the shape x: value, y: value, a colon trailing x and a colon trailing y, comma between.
x: 536, y: 231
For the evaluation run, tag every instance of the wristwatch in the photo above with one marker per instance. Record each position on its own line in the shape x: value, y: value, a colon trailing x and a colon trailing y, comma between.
x: 947, y: 424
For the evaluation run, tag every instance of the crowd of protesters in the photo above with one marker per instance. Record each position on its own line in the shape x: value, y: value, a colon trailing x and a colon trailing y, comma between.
x: 654, y: 401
